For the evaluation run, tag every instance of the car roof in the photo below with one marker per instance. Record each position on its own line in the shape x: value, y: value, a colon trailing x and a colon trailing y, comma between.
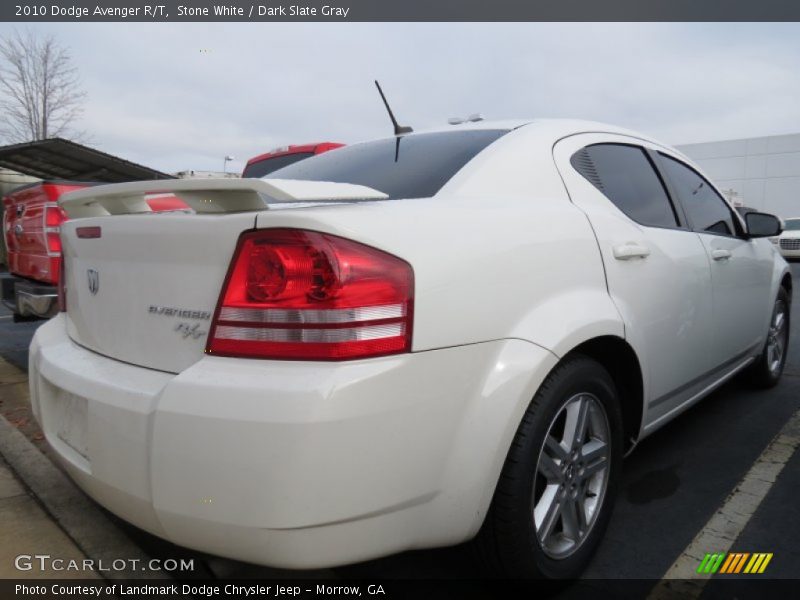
x: 522, y: 159
x: 555, y: 125
x: 548, y: 128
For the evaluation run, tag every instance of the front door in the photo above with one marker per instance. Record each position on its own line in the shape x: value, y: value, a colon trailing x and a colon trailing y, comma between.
x: 741, y: 268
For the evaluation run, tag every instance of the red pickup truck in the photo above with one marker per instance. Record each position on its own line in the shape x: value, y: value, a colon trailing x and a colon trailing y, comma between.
x: 264, y: 164
x: 32, y: 219
x: 31, y: 224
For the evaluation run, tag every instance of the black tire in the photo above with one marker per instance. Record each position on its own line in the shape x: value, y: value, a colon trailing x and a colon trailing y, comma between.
x: 508, y: 544
x: 763, y: 373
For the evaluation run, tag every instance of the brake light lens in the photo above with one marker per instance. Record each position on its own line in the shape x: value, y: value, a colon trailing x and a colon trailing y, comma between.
x: 53, y: 217
x: 304, y: 295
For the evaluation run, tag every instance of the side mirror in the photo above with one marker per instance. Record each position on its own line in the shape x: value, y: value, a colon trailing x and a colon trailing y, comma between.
x: 762, y: 225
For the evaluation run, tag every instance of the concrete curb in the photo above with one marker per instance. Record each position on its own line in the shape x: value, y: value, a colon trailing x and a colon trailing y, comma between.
x: 82, y: 520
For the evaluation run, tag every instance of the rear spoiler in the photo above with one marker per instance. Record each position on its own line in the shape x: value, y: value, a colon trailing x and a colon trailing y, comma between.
x: 209, y: 195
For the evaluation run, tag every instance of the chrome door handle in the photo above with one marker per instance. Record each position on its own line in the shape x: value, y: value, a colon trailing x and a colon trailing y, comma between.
x: 630, y: 250
x: 720, y: 254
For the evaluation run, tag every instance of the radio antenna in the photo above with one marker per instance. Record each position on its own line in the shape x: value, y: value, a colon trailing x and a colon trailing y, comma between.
x: 398, y: 129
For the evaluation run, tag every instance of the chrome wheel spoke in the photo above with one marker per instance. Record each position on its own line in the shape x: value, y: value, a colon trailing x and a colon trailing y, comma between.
x: 581, y: 508
x: 594, y: 468
x: 547, y: 513
x: 576, y: 423
x: 778, y: 322
x: 595, y: 458
x: 776, y: 338
x: 571, y: 475
x: 550, y: 469
x: 571, y: 520
x: 554, y: 447
x: 593, y: 450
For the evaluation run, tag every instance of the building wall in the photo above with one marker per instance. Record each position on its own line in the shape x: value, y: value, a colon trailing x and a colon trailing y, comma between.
x: 763, y: 172
x: 11, y: 179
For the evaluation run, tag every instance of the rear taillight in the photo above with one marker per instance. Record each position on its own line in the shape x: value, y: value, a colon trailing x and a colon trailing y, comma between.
x: 304, y: 295
x: 53, y: 217
x: 62, y: 286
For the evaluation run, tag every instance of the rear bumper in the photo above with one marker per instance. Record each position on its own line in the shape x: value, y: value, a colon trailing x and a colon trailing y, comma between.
x: 289, y: 464
x: 29, y: 298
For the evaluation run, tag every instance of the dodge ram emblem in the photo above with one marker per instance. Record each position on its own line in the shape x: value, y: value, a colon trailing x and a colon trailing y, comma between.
x: 94, y: 280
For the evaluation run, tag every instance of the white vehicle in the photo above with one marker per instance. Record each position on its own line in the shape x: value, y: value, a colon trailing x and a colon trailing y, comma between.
x: 789, y: 240
x: 406, y: 343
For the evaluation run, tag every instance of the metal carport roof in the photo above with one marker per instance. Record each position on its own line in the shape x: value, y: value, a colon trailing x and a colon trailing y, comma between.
x: 57, y: 158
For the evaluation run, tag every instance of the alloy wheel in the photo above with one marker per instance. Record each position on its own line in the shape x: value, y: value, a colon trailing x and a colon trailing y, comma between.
x: 776, y: 337
x: 571, y: 475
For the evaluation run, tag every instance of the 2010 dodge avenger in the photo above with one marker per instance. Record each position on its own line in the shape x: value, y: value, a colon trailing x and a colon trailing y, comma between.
x: 405, y: 343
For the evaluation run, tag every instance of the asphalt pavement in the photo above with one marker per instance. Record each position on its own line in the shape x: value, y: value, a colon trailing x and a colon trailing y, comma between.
x: 673, y: 483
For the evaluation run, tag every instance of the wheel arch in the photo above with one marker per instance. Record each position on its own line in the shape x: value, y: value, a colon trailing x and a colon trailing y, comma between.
x: 620, y: 360
x: 786, y: 283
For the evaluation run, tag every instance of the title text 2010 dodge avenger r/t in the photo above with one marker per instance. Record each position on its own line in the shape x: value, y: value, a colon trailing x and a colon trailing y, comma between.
x: 404, y: 343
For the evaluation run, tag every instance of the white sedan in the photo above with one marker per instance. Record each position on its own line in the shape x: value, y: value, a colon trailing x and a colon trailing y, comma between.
x: 406, y: 343
x: 789, y: 241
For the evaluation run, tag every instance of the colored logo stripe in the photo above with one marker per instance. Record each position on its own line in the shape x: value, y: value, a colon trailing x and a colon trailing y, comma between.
x: 728, y: 562
x: 758, y: 563
x: 740, y: 563
x: 735, y: 562
x: 711, y: 563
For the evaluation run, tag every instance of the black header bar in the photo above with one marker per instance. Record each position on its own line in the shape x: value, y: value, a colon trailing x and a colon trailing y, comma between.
x: 24, y: 11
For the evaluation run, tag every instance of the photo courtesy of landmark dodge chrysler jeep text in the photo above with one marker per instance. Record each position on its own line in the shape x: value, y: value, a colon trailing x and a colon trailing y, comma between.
x: 405, y: 343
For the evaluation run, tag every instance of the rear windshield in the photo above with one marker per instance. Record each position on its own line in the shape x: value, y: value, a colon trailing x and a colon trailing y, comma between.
x: 268, y: 165
x: 413, y: 166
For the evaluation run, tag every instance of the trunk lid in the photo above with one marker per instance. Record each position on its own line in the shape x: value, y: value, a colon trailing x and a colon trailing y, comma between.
x: 142, y: 288
x: 144, y: 292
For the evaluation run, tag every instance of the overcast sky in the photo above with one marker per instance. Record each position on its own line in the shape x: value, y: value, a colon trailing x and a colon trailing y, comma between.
x: 182, y: 96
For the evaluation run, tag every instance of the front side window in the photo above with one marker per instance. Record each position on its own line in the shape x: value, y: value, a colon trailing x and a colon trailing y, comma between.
x: 626, y: 176
x: 705, y: 208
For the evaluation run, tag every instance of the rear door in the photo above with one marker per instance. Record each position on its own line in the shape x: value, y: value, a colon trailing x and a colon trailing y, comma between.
x: 741, y: 268
x: 656, y: 267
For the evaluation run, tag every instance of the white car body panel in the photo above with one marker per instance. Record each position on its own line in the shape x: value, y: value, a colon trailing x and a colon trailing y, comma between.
x: 741, y: 288
x: 297, y: 463
x: 308, y: 464
x: 790, y: 249
x: 515, y: 285
x: 181, y: 264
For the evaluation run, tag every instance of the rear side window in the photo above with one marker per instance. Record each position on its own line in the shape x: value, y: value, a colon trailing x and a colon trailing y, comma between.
x: 268, y: 165
x: 626, y: 176
x: 412, y: 166
x: 706, y: 209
